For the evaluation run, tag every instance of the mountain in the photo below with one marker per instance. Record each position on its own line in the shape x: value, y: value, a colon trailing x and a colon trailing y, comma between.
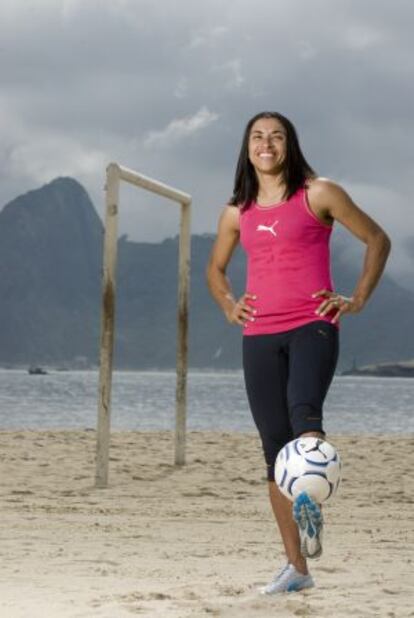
x: 50, y: 256
x: 50, y: 291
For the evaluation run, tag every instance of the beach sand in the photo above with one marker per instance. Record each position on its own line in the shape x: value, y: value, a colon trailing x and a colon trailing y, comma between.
x: 198, y: 540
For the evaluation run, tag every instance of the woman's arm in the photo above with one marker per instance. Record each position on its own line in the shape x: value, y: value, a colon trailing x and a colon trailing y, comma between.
x: 329, y: 200
x: 228, y: 234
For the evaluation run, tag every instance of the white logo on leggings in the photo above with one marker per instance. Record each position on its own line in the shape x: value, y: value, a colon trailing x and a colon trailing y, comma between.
x: 267, y: 228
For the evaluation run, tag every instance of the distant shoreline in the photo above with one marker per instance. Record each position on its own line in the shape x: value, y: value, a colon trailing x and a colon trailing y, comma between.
x: 384, y: 370
x: 389, y: 370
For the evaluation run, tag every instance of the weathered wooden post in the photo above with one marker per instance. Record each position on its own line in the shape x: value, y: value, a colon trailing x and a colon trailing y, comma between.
x: 182, y: 334
x: 116, y: 173
x: 107, y: 324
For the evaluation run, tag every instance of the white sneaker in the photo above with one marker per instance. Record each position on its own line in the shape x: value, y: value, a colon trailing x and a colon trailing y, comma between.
x: 288, y: 580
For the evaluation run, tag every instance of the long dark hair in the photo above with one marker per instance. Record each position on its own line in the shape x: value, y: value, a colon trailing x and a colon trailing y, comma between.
x: 296, y: 169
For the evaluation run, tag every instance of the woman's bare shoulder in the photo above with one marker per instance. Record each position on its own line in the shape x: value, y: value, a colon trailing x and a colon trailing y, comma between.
x: 230, y: 217
x: 321, y: 188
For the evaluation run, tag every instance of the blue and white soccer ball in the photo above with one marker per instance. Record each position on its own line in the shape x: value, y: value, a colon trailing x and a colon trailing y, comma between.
x: 308, y: 464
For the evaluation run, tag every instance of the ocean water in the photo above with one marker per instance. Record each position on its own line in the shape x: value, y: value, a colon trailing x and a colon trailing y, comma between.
x: 216, y: 401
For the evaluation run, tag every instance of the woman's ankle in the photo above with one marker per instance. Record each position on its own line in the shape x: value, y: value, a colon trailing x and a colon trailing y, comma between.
x: 300, y: 565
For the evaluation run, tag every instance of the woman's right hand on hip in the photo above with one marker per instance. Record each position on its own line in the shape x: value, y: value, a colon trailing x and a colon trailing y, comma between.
x: 242, y: 311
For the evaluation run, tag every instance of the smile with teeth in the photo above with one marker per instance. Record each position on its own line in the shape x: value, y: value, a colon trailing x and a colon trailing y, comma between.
x: 266, y: 155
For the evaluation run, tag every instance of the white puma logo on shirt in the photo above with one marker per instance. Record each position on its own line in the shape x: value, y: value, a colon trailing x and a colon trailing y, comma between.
x: 267, y: 228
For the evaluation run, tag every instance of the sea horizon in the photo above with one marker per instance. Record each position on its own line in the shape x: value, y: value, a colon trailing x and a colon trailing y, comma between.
x: 216, y: 401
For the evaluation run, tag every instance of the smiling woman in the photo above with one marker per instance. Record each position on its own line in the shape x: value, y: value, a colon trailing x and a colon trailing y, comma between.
x: 270, y: 144
x: 282, y: 214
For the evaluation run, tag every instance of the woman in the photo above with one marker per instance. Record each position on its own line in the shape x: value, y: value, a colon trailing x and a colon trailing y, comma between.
x: 282, y: 213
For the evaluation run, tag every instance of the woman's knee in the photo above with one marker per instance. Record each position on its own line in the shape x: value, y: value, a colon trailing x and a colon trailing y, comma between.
x: 271, y: 448
x: 306, y: 418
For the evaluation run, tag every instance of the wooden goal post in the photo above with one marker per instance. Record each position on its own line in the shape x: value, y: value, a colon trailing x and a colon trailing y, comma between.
x: 114, y: 175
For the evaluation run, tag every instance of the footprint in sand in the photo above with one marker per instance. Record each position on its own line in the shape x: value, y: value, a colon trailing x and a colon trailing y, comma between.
x: 298, y: 608
x: 325, y: 569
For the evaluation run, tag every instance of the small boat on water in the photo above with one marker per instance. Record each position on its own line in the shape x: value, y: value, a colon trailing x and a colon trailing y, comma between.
x: 37, y: 371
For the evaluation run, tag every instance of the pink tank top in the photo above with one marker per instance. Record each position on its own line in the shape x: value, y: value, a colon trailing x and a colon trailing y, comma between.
x: 288, y: 260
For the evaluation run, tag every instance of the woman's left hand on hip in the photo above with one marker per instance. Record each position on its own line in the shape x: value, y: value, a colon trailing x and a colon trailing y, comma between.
x: 337, y: 303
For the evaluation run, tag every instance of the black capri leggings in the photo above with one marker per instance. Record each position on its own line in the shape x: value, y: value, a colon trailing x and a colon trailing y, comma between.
x: 287, y: 376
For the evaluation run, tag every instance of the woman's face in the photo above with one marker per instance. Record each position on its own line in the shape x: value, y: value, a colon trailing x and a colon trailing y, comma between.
x: 267, y: 145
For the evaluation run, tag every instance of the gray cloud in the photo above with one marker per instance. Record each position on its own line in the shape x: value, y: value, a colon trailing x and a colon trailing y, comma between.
x: 180, y: 129
x: 166, y: 88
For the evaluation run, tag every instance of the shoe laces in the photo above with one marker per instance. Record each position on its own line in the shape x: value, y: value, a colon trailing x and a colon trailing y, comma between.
x: 282, y: 574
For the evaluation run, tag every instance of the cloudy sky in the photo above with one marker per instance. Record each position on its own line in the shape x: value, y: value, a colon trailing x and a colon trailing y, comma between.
x: 167, y: 87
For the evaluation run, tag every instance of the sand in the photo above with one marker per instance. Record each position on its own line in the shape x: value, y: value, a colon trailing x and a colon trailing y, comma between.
x: 198, y: 540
